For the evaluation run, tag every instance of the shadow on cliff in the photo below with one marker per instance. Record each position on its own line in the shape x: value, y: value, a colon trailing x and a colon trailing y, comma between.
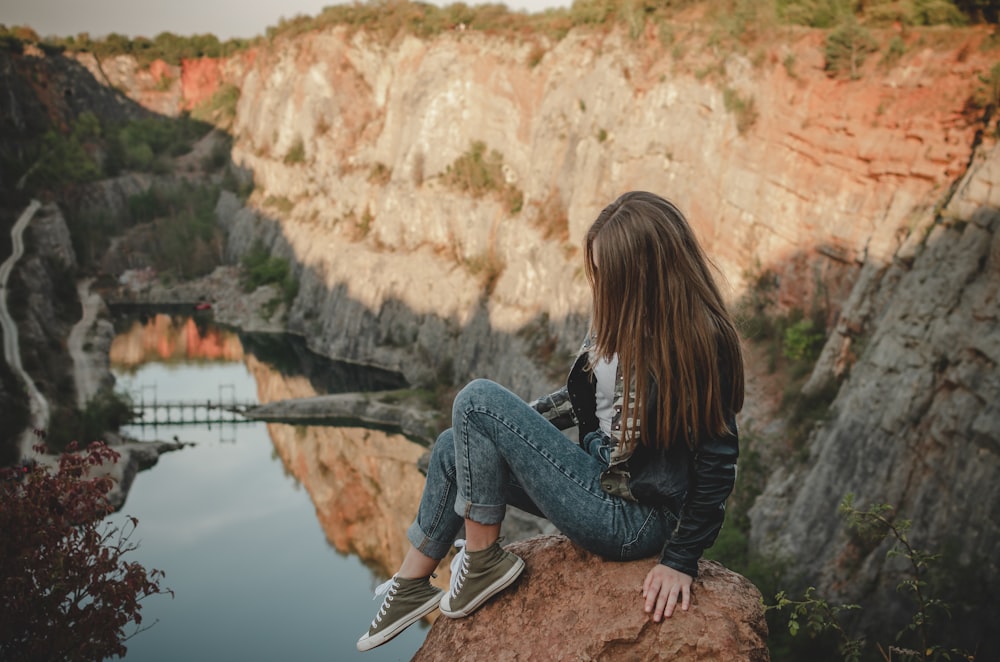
x: 910, y: 422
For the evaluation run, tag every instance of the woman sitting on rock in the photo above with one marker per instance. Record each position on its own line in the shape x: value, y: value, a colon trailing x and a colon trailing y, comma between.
x: 653, y: 392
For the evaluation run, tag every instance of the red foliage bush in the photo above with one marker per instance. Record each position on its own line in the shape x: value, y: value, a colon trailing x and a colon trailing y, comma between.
x: 65, y: 590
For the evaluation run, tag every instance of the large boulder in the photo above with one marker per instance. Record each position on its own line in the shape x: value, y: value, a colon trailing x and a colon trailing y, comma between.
x: 572, y: 605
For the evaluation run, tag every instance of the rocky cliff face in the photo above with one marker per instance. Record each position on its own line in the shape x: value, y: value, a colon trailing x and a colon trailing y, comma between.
x: 916, y: 422
x: 779, y: 167
x: 830, y: 175
x: 41, y: 296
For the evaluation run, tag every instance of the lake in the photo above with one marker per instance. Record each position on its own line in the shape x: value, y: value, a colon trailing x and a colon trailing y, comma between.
x: 266, y: 561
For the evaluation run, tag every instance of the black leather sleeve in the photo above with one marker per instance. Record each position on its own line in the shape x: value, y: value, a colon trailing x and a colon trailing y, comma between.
x: 713, y: 477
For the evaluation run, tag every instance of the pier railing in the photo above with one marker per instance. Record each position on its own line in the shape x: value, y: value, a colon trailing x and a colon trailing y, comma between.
x: 194, y: 411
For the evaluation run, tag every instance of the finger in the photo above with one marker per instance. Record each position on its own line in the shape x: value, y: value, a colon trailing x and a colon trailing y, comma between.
x: 661, y: 604
x: 651, y: 597
x: 671, y: 603
x: 645, y: 584
x: 685, y: 597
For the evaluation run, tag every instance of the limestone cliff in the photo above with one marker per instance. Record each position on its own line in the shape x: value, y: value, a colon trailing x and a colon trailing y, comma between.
x: 829, y: 176
x: 347, y: 138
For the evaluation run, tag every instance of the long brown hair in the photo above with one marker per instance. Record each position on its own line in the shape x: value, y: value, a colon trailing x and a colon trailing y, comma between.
x: 657, y: 306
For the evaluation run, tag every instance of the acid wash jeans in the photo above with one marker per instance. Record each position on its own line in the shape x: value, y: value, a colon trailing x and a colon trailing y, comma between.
x: 500, y: 451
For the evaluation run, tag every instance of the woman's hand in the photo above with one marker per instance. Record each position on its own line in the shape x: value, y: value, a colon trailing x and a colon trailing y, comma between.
x: 661, y: 590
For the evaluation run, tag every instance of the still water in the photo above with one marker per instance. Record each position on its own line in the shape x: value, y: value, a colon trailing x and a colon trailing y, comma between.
x: 253, y: 570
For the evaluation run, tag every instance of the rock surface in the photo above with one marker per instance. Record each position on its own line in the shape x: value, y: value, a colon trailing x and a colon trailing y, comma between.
x: 915, y: 424
x: 571, y: 605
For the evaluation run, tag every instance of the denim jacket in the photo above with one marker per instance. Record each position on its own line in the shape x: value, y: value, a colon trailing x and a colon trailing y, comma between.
x: 692, y: 484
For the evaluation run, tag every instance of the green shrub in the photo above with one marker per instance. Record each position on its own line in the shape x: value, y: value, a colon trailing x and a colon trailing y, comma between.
x: 925, y: 638
x: 592, y: 12
x: 108, y: 410
x: 220, y: 154
x: 987, y: 95
x: 220, y: 108
x: 633, y: 14
x: 166, y: 46
x: 11, y: 41
x: 552, y: 218
x: 894, y: 52
x: 830, y: 13
x: 488, y: 267
x: 803, y: 341
x: 754, y: 317
x: 148, y: 144
x: 380, y: 174
x: 188, y: 242
x: 936, y: 12
x: 847, y: 47
x: 184, y: 239
x: 62, y: 159
x: 261, y: 268
x: 745, y: 109
x: 279, y: 202
x: 296, y: 153
x: 479, y: 173
x: 814, y: 13
x: 980, y: 11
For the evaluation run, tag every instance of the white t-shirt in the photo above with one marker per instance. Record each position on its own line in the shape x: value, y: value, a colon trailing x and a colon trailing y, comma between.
x: 606, y: 372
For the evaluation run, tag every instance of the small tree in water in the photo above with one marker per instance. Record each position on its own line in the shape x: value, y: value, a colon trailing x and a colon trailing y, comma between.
x: 66, y: 591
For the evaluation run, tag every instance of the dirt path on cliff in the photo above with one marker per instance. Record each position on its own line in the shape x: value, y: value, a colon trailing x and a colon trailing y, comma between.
x: 87, y: 383
x: 11, y: 347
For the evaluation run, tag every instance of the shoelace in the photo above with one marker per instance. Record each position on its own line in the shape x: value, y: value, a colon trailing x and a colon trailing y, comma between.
x: 459, y: 568
x: 387, y: 588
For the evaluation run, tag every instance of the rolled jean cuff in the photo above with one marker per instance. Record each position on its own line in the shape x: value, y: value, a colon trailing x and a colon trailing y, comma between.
x: 427, y: 545
x: 478, y: 513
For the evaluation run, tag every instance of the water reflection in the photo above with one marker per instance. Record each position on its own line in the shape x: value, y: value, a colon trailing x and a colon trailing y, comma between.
x: 163, y: 338
x: 364, y: 483
x: 234, y: 525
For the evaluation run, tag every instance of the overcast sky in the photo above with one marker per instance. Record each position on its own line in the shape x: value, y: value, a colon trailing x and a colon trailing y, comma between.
x: 148, y: 18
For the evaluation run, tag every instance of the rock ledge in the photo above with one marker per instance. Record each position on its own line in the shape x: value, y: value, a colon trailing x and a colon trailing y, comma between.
x: 572, y: 605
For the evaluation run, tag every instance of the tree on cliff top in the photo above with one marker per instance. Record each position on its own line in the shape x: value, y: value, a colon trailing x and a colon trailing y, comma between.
x: 65, y: 590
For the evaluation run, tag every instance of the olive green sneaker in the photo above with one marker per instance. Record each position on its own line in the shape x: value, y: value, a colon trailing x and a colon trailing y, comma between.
x: 406, y: 602
x: 478, y: 576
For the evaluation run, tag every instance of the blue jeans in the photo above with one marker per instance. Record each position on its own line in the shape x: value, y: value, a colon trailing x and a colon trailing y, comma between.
x: 500, y: 451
